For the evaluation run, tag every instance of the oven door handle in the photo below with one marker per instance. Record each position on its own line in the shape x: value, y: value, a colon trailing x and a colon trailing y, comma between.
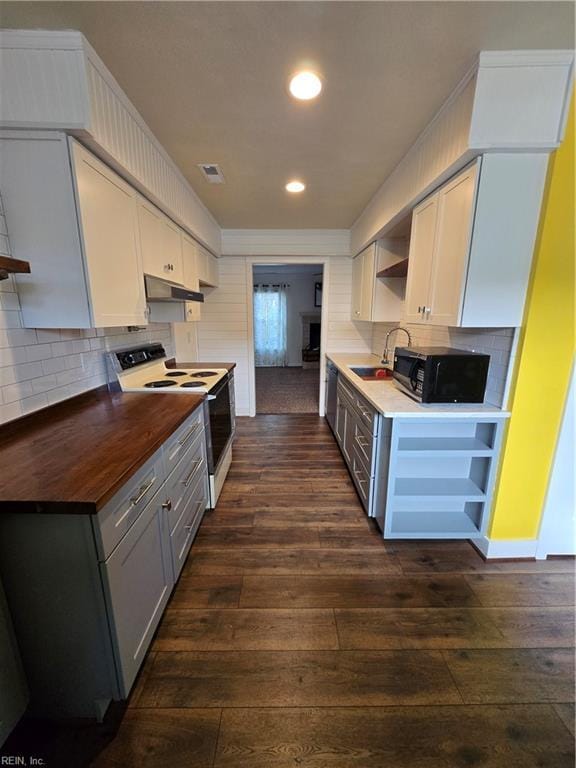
x: 219, y: 387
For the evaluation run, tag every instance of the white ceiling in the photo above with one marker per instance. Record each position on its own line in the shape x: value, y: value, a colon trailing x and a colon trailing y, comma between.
x: 210, y: 80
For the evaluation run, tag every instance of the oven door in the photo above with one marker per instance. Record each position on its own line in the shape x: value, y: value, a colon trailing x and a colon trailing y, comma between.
x: 219, y: 422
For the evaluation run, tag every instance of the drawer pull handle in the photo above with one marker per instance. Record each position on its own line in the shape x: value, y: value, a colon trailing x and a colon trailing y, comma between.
x: 142, y: 491
x: 198, y: 506
x: 167, y: 505
x: 195, y: 466
x: 190, y: 434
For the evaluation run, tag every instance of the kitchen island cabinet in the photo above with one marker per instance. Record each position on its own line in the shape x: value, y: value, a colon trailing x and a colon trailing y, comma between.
x: 89, y: 567
x: 421, y: 471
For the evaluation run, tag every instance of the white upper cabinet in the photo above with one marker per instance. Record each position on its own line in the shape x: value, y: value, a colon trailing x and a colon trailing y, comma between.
x: 421, y: 255
x: 454, y: 220
x: 471, y: 244
x: 75, y: 220
x: 160, y: 243
x: 356, y: 303
x: 207, y: 265
x: 192, y: 309
x: 374, y: 299
x: 107, y: 211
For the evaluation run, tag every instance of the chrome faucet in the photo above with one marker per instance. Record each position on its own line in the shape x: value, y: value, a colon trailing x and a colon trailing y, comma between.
x: 385, y: 360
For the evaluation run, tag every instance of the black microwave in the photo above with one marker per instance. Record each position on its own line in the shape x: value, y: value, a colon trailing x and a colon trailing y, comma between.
x: 441, y: 374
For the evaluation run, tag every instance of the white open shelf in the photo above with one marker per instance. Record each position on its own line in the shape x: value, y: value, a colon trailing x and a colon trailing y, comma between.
x: 441, y: 477
x: 463, y: 487
x: 444, y: 446
x: 446, y: 524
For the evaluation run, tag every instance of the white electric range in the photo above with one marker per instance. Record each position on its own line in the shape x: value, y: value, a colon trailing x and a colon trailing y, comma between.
x: 144, y: 369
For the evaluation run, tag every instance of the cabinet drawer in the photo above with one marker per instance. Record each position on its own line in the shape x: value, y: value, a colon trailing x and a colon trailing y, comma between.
x: 361, y: 478
x: 366, y: 412
x: 183, y: 479
x: 346, y: 390
x: 183, y: 534
x: 177, y: 445
x: 363, y: 443
x: 137, y: 581
x: 116, y: 518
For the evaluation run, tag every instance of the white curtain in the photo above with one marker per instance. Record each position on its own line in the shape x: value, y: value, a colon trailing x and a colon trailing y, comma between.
x: 270, y: 325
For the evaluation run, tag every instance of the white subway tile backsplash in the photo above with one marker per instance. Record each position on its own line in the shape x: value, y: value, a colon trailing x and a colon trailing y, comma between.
x: 9, y: 301
x: 19, y: 337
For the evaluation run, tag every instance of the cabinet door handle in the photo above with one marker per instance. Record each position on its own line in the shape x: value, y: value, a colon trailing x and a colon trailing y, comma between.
x: 362, y: 442
x: 186, y: 482
x: 142, y: 491
x: 167, y: 505
x: 190, y: 434
x: 198, y: 505
x: 419, y: 309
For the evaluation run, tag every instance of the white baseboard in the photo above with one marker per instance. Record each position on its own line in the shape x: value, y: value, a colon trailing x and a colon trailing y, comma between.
x: 499, y: 549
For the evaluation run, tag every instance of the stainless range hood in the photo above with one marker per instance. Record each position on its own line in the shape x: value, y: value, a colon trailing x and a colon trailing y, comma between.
x: 163, y: 290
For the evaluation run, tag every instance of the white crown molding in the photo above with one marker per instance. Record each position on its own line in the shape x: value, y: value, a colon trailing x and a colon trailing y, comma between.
x: 286, y: 242
x: 535, y: 58
x: 42, y: 39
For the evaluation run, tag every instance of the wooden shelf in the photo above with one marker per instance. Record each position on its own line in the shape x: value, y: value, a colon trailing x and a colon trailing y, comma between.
x: 398, y: 269
x: 10, y: 266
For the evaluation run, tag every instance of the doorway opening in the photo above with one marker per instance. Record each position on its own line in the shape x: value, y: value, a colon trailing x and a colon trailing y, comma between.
x: 287, y: 323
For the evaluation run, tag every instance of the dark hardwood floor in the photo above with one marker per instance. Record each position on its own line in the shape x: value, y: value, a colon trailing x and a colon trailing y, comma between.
x: 298, y: 637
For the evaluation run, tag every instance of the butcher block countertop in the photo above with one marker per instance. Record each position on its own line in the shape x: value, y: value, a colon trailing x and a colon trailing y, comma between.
x: 73, y: 456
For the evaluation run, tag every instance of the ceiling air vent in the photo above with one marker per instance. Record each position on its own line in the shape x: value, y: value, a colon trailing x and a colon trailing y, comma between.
x: 212, y: 172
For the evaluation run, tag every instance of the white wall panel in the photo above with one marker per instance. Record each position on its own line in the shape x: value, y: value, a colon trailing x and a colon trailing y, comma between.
x: 55, y: 80
x: 223, y: 332
x: 439, y: 151
x: 286, y: 242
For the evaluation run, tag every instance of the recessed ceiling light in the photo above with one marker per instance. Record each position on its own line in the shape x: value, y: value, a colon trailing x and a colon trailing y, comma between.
x: 305, y: 86
x: 295, y: 186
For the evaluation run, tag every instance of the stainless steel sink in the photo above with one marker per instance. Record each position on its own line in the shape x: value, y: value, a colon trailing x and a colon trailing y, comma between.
x: 371, y: 373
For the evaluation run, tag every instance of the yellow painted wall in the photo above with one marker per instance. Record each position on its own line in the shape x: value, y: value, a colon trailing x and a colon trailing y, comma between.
x: 544, y: 360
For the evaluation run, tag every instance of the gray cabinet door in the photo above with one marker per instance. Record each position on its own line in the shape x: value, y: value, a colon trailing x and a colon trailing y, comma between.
x: 349, y: 434
x: 138, y: 580
x: 14, y: 696
x: 340, y: 424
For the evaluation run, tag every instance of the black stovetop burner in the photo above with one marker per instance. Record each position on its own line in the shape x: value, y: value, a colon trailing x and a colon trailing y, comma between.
x: 176, y: 373
x: 201, y: 374
x: 160, y: 384
x: 192, y: 384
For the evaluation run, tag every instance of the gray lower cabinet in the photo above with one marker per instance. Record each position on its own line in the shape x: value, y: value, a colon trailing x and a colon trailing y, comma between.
x: 363, y: 435
x: 419, y: 478
x: 137, y: 580
x: 86, y: 593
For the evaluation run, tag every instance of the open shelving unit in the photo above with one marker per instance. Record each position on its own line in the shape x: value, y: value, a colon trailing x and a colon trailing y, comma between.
x: 441, y: 478
x: 398, y: 269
